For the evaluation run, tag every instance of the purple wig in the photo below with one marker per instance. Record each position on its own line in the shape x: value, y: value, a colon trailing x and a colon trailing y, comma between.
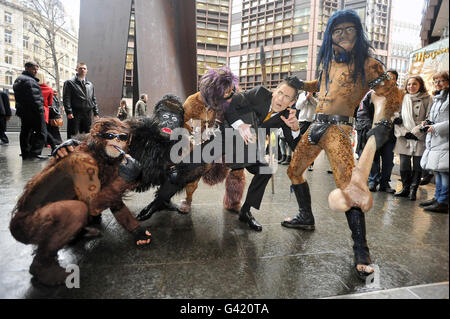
x: 213, y: 86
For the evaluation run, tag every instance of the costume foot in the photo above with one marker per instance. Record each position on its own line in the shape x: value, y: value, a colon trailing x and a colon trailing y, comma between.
x: 233, y: 209
x: 297, y: 223
x: 48, y: 271
x: 185, y: 207
x: 363, y: 271
x: 147, y: 212
x: 250, y: 220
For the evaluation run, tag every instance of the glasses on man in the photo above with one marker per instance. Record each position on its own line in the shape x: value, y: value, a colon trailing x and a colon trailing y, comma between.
x: 284, y: 97
x: 339, y: 31
x: 111, y: 136
x: 439, y: 81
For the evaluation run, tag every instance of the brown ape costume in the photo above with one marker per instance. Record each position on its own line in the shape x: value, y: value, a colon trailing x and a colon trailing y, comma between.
x: 195, y: 109
x: 59, y: 201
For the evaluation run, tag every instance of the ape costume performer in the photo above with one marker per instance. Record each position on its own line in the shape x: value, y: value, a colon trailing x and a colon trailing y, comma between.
x: 348, y: 72
x: 68, y: 193
x: 205, y: 107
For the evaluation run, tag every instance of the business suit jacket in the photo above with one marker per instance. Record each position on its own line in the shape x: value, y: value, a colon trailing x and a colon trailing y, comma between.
x: 258, y: 100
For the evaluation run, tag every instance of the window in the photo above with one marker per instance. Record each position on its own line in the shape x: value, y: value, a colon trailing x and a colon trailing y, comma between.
x: 8, y: 36
x: 25, y: 42
x: 8, y: 58
x: 8, y: 17
x: 8, y: 78
x: 36, y: 46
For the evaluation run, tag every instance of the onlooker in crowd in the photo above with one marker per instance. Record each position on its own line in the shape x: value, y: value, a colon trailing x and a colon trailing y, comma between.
x: 54, y: 123
x: 410, y: 140
x: 384, y: 155
x: 5, y: 115
x: 122, y: 112
x: 47, y: 93
x: 30, y: 109
x: 285, y: 150
x: 435, y: 157
x: 141, y: 106
x: 79, y: 102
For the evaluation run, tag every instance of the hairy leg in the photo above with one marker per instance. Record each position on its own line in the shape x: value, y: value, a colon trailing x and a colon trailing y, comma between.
x: 337, y: 145
x: 304, y: 154
x: 185, y: 206
x: 50, y: 228
x: 234, y: 190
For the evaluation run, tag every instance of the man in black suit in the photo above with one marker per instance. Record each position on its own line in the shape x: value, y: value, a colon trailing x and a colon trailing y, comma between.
x: 79, y: 102
x: 271, y: 111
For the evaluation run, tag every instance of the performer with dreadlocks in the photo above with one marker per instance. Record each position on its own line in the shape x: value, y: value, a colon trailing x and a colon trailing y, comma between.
x: 348, y: 72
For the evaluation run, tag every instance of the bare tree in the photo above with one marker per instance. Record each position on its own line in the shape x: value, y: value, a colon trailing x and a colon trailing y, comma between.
x: 48, y: 18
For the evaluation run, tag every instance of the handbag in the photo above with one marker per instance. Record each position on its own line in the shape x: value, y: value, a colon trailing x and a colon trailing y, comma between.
x: 54, y: 117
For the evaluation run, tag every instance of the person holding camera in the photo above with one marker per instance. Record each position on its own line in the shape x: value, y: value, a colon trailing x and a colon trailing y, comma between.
x: 410, y: 142
x: 435, y: 157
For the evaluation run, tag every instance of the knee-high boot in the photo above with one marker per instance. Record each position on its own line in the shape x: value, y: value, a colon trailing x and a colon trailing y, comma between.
x: 415, y: 182
x: 357, y: 224
x: 406, y: 184
x: 304, y: 219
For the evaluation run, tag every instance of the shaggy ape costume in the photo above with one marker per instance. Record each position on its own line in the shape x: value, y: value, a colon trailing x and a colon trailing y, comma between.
x: 348, y: 72
x: 203, y: 108
x: 60, y: 200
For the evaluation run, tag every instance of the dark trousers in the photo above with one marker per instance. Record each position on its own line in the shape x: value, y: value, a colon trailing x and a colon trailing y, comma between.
x: 81, y: 123
x: 257, y: 187
x: 33, y: 134
x: 53, y: 136
x: 405, y: 163
x: 3, y: 136
x: 382, y: 175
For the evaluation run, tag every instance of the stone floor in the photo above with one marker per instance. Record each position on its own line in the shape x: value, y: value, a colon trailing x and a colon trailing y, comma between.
x: 210, y: 254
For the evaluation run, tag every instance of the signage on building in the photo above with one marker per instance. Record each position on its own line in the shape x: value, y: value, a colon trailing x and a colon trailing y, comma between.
x: 429, y: 60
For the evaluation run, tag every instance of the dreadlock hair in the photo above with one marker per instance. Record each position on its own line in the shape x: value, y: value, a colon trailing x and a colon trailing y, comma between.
x: 361, y: 51
x: 213, y: 86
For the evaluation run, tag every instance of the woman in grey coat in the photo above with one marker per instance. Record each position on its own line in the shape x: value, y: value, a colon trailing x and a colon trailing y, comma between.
x: 435, y: 157
x: 410, y: 142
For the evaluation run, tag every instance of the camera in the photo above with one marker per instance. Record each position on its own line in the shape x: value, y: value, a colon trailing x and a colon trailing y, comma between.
x: 424, y: 128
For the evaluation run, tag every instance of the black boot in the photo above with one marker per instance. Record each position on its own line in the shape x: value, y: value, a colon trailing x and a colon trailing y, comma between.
x: 287, y: 161
x: 416, y: 176
x: 357, y: 223
x: 282, y: 159
x: 246, y: 216
x: 304, y: 219
x: 427, y: 177
x: 406, y: 183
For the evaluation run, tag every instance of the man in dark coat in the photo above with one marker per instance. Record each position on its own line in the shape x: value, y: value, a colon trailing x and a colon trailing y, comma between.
x: 79, y: 102
x: 30, y: 109
x: 5, y: 115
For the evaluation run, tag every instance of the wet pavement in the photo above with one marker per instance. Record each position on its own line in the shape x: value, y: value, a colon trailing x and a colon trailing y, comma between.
x: 210, y: 254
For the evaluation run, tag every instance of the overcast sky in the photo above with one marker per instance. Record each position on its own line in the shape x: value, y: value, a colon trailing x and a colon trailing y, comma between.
x: 73, y: 9
x: 403, y: 10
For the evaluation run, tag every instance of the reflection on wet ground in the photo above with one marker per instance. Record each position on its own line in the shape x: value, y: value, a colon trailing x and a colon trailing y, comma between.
x: 210, y: 254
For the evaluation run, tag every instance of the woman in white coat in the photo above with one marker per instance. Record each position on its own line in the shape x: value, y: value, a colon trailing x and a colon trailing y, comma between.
x: 435, y: 157
x: 410, y: 142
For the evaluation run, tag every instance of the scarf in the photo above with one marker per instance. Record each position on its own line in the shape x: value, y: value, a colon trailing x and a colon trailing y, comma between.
x: 408, y: 116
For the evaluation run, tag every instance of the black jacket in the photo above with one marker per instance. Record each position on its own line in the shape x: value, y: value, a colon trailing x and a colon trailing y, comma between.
x: 364, y: 120
x: 5, y: 109
x: 258, y: 100
x: 76, y: 100
x: 28, y: 95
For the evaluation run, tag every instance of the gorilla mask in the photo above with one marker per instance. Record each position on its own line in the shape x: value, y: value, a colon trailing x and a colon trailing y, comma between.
x: 169, y: 114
